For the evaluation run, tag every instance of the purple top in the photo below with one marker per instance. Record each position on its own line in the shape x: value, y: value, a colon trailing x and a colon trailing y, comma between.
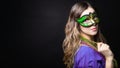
x: 87, y: 57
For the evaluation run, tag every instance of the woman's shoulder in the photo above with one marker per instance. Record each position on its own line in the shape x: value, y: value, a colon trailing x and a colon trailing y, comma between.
x: 85, y: 49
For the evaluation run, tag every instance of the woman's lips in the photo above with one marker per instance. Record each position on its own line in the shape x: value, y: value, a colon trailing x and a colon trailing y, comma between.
x: 94, y: 29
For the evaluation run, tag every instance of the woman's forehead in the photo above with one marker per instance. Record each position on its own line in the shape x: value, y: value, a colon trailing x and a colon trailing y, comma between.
x: 87, y: 11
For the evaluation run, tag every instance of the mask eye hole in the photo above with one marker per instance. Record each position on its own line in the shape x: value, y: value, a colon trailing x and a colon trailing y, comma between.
x: 96, y: 19
x: 86, y: 21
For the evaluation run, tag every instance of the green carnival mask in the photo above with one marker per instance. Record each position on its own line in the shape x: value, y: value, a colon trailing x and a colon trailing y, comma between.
x: 88, y: 20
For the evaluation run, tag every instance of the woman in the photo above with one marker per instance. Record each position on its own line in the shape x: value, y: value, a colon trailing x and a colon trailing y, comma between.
x: 84, y: 45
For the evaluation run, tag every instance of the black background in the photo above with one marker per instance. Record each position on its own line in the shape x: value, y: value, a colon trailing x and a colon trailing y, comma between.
x: 33, y: 31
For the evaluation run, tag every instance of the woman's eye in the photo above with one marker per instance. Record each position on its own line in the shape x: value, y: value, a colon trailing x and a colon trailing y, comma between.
x: 86, y: 21
x: 96, y: 19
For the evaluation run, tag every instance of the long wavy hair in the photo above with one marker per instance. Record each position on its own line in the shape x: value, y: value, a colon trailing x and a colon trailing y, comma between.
x: 72, y: 32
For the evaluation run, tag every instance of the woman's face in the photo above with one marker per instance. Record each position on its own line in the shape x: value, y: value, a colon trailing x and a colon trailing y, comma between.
x: 91, y: 30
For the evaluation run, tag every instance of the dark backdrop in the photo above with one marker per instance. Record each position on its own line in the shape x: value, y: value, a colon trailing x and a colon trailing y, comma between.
x: 33, y: 31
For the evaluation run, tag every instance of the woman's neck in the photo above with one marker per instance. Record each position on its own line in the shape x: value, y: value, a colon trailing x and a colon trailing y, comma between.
x: 87, y: 36
x: 88, y: 40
